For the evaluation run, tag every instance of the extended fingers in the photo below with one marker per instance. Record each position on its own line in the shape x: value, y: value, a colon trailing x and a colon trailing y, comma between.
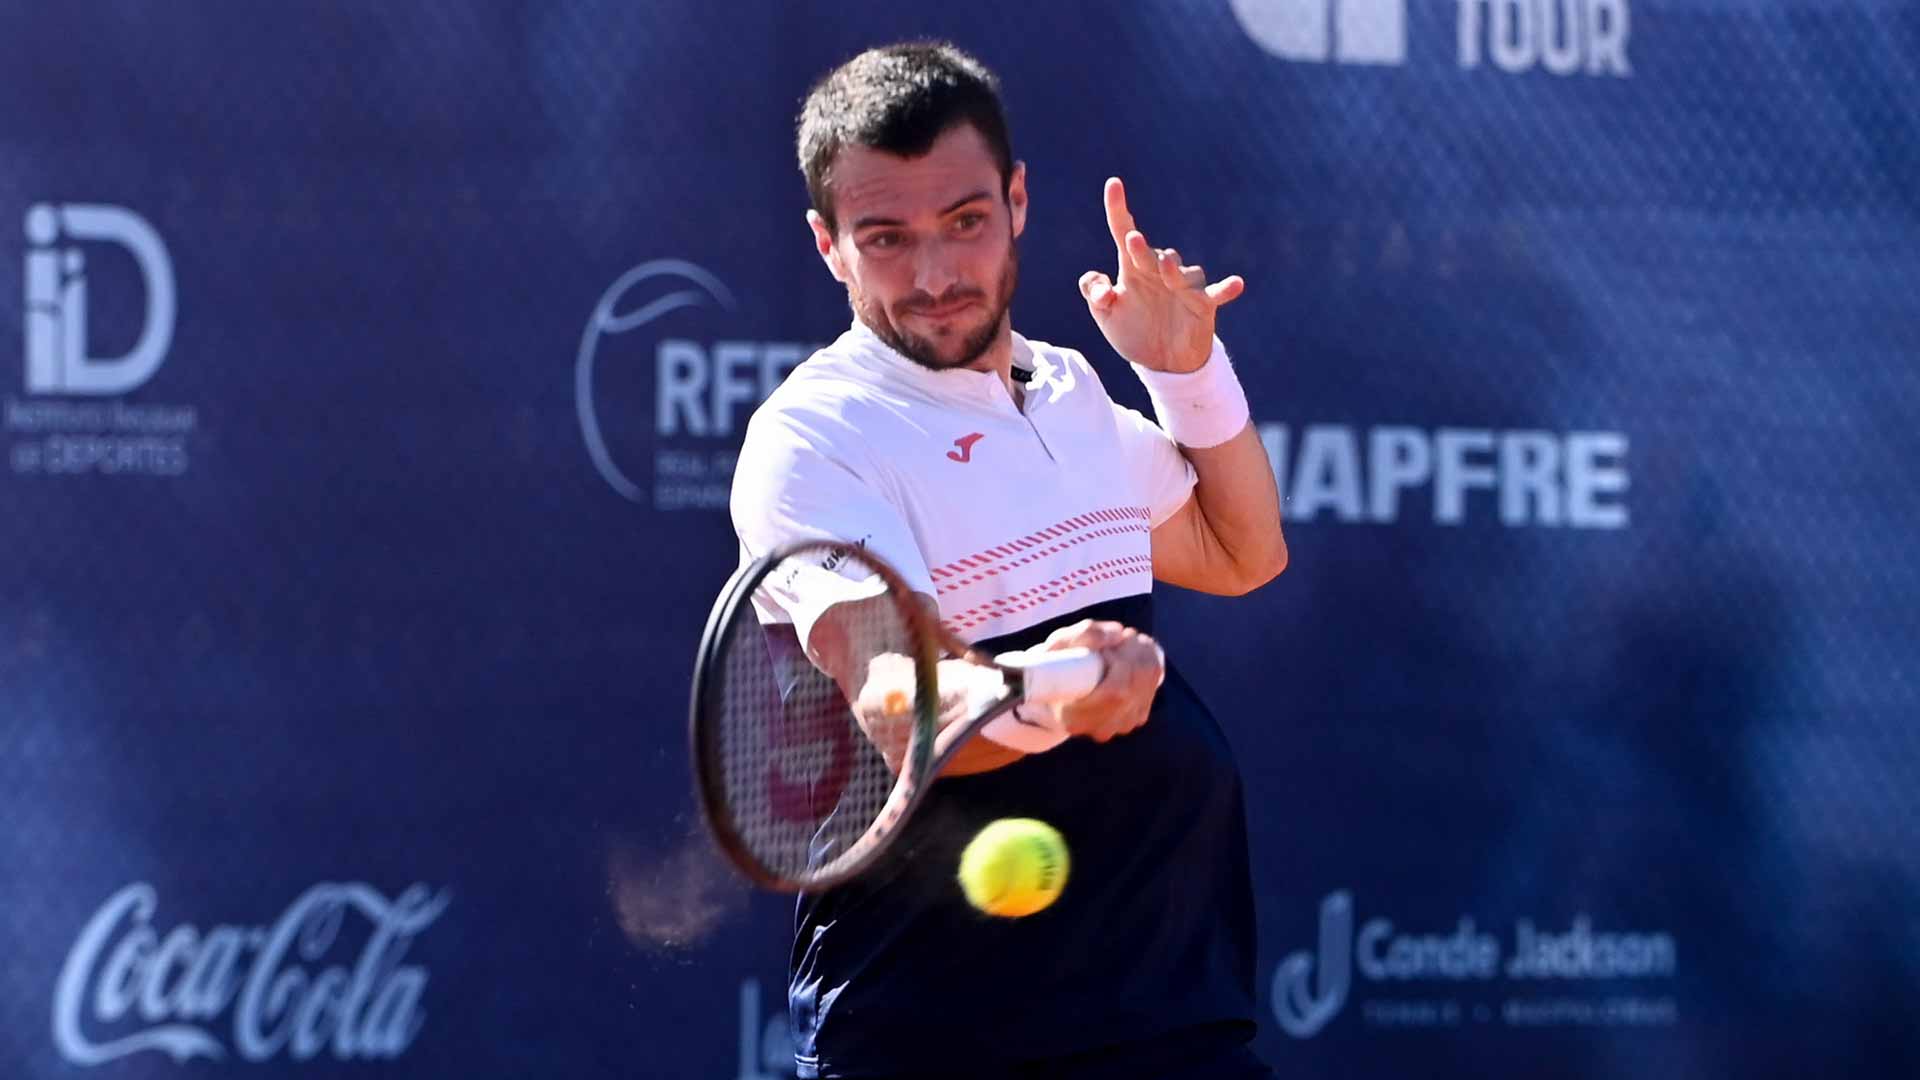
x: 1098, y: 290
x: 1162, y: 263
x: 1226, y: 290
x: 1172, y: 274
x: 1139, y: 255
x: 1119, y: 218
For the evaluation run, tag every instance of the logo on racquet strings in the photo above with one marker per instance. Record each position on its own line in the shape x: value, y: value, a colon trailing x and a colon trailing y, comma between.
x: 327, y: 977
x: 812, y: 759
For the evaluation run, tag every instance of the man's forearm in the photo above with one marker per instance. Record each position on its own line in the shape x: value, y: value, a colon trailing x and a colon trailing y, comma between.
x: 1240, y: 504
x: 846, y: 640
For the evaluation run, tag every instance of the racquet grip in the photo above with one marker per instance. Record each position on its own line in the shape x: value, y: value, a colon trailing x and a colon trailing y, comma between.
x: 1055, y: 678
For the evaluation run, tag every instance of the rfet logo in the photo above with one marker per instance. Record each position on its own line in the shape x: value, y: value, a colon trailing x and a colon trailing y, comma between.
x: 704, y: 382
x: 58, y: 358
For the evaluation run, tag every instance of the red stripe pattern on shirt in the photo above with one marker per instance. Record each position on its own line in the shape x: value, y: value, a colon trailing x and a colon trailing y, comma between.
x: 1025, y: 599
x: 1035, y: 546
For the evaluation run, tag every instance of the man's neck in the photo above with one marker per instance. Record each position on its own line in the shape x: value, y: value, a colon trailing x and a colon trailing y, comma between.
x: 998, y: 360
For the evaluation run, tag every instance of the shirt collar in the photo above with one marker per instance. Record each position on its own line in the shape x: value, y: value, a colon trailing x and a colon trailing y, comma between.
x: 954, y: 384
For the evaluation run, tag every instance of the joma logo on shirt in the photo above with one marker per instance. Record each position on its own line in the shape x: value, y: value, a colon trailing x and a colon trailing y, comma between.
x: 965, y: 443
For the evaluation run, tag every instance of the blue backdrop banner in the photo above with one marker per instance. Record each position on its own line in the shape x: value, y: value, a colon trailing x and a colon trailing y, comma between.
x: 371, y: 376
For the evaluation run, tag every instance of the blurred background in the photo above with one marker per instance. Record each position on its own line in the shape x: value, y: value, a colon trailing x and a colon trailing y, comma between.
x: 371, y: 375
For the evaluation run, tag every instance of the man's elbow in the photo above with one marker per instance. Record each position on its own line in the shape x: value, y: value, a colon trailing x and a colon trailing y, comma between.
x: 1253, y: 572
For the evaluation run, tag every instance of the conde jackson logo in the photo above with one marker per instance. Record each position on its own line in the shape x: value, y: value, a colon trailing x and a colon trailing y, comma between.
x: 1543, y: 976
x: 326, y: 977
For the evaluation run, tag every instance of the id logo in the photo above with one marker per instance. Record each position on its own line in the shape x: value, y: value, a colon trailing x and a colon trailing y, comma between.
x: 74, y: 421
x: 56, y: 306
x: 702, y: 388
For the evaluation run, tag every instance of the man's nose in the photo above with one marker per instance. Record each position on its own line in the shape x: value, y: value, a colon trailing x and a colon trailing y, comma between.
x: 932, y: 269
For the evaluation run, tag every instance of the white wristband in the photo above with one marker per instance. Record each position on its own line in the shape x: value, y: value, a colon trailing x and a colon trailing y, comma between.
x: 1200, y: 408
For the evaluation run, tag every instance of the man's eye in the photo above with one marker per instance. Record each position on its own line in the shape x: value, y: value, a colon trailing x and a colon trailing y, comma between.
x: 969, y: 221
x: 883, y: 240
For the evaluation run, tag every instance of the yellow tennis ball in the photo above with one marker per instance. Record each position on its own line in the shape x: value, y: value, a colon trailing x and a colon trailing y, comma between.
x: 1014, y: 867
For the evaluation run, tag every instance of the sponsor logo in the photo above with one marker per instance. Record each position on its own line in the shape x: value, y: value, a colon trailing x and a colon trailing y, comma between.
x: 1559, y: 37
x: 72, y: 418
x: 126, y: 987
x: 1345, y: 31
x: 1475, y: 980
x: 1056, y: 379
x: 1517, y: 478
x: 56, y: 303
x: 965, y: 443
x: 840, y: 553
x: 766, y: 1043
x: 1303, y: 1003
x: 702, y: 385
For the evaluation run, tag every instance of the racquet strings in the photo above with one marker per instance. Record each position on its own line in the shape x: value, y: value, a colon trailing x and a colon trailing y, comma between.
x: 799, y: 777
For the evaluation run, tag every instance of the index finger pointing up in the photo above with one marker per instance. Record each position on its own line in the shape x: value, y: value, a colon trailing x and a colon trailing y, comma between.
x: 1119, y: 218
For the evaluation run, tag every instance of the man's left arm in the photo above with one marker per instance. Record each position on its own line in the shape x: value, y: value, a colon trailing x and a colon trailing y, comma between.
x: 1227, y: 538
x: 1159, y: 315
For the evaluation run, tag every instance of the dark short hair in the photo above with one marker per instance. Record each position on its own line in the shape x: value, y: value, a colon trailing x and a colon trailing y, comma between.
x: 898, y: 99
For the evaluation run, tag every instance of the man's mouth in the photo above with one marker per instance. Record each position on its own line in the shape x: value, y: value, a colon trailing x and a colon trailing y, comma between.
x: 945, y: 310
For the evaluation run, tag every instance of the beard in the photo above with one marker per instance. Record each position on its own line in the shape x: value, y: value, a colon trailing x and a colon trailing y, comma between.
x: 926, y: 351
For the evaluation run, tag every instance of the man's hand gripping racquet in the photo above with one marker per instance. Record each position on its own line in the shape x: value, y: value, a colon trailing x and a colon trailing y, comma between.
x: 810, y: 757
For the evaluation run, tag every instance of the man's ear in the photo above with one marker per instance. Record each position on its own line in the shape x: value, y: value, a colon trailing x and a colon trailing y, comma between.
x: 823, y: 243
x: 1017, y: 196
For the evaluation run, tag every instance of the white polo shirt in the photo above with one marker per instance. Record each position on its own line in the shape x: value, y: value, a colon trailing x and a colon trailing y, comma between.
x: 1007, y: 515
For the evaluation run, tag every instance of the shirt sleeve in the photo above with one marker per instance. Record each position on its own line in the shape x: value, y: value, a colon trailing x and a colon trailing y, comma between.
x: 790, y: 486
x: 1158, y: 471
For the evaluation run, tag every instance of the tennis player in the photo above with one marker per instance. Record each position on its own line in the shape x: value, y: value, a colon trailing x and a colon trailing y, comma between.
x: 998, y: 476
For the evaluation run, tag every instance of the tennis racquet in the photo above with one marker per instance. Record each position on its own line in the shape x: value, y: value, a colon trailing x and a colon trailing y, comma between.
x: 810, y: 758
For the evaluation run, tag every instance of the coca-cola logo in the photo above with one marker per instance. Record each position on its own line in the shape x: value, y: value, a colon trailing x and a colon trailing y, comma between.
x: 127, y: 987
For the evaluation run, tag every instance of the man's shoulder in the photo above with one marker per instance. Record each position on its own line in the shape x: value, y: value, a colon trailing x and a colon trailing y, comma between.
x: 1048, y: 351
x: 835, y: 367
x: 832, y: 393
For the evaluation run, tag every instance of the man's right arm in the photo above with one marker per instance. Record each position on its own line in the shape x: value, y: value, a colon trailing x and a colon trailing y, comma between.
x: 862, y: 645
x: 788, y: 488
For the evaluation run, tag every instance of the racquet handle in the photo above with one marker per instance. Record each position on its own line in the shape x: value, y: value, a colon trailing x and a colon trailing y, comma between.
x: 1055, y: 678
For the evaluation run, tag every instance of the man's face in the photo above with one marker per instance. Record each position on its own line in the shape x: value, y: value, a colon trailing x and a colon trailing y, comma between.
x: 925, y: 246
